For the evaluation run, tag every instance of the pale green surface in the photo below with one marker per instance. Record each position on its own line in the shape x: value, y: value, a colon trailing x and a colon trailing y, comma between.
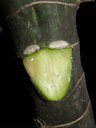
x: 50, y: 71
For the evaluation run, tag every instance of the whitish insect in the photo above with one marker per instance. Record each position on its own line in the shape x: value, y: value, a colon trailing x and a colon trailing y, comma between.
x: 30, y: 49
x: 58, y: 44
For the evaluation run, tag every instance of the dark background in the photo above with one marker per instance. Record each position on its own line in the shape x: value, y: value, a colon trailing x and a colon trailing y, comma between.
x: 15, y: 103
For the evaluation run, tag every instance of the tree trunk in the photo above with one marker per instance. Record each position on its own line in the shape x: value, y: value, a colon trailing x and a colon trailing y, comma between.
x: 41, y: 22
